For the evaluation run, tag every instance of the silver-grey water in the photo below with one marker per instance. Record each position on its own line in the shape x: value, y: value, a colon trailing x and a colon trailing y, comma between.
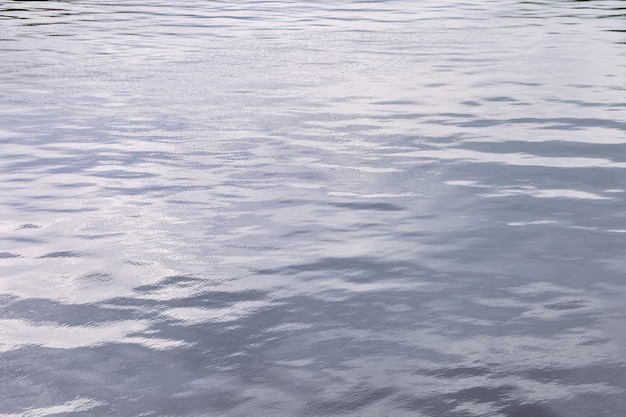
x: 313, y: 208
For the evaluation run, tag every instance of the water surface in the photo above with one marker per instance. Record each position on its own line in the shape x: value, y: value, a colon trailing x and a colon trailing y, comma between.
x: 298, y: 208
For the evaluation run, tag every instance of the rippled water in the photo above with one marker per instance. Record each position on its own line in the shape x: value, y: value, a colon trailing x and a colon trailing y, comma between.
x: 313, y: 208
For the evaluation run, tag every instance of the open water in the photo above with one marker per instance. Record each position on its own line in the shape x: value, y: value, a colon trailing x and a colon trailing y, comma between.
x: 313, y: 208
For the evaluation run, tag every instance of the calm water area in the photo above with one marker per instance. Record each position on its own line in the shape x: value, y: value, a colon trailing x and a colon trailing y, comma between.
x: 313, y: 208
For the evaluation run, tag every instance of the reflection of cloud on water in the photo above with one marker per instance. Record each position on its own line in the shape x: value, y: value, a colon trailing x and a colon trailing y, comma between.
x: 73, y: 406
x: 529, y: 190
x: 17, y: 333
x: 232, y: 313
x: 516, y: 159
x: 533, y: 192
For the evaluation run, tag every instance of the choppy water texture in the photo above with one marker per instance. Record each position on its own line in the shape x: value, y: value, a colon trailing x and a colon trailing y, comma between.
x: 313, y: 208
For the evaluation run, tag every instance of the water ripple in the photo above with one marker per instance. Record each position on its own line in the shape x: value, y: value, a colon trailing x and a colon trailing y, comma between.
x: 312, y: 208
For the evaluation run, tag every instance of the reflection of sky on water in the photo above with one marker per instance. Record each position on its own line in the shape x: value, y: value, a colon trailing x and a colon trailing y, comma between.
x: 312, y: 209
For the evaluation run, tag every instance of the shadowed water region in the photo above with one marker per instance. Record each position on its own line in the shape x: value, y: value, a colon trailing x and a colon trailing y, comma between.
x: 313, y: 208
